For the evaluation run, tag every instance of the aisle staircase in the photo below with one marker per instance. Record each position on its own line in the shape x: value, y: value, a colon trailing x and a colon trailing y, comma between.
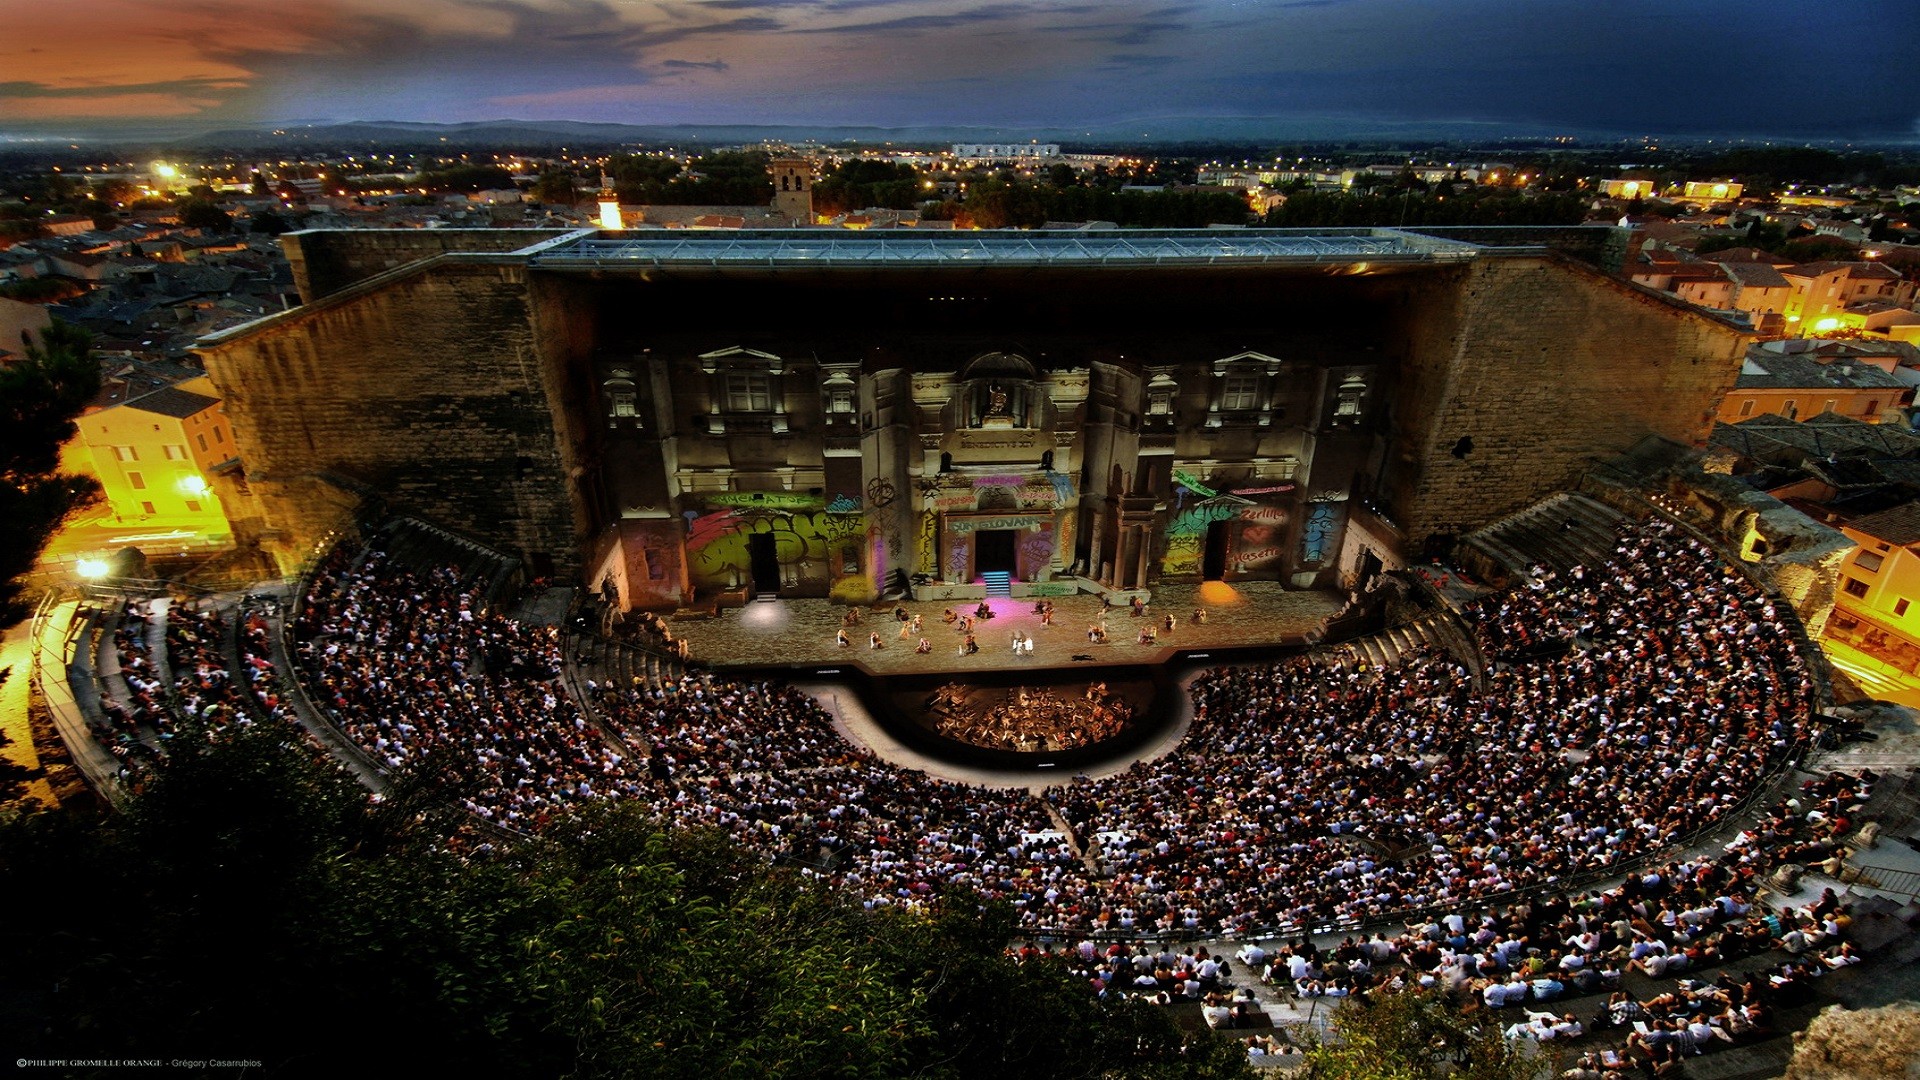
x: 999, y: 582
x: 1561, y: 531
x: 1385, y: 648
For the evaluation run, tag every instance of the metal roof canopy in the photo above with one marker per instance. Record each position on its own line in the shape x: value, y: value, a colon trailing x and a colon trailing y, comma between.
x: 1121, y: 248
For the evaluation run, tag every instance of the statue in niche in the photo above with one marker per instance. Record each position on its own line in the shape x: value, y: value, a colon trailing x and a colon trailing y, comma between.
x: 996, y: 400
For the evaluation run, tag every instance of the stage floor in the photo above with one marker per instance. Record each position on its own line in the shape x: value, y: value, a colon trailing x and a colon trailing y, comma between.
x: 800, y: 633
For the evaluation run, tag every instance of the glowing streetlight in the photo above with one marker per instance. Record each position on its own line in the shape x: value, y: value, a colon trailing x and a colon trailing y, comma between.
x: 92, y: 567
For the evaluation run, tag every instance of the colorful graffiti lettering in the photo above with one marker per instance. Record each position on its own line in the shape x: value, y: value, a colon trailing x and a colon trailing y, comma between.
x: 967, y: 525
x: 1261, y: 490
x: 770, y: 500
x: 843, y: 504
x: 718, y: 544
x: 1036, y: 552
x: 929, y: 545
x: 703, y: 529
x: 1062, y: 486
x: 953, y: 500
x: 957, y: 562
x: 1188, y: 481
x: 1322, y: 529
x: 1194, y: 521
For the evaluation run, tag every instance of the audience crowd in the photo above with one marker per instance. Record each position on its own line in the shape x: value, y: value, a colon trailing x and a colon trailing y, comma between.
x: 1623, y: 707
x: 1305, y: 794
x: 1627, y: 705
x: 203, y: 688
x: 136, y: 724
x: 413, y: 668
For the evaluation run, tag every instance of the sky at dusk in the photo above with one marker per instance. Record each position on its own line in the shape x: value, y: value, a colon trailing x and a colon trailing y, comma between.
x: 1808, y: 68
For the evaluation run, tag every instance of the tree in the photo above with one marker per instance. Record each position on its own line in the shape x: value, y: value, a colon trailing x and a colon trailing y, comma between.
x: 465, y: 178
x: 1412, y: 1035
x: 554, y: 186
x: 206, y: 215
x: 39, y: 398
x: 251, y: 888
x: 269, y: 223
x: 1819, y: 249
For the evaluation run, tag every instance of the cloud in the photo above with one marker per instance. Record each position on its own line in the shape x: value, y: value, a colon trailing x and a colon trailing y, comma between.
x: 1044, y: 62
x: 914, y: 24
x: 196, y: 87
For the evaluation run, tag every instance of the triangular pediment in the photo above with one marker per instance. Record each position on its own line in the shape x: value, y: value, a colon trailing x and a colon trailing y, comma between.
x: 1250, y: 357
x: 739, y: 354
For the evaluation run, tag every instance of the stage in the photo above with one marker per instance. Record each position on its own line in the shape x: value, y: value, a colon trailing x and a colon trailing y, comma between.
x: 795, y: 640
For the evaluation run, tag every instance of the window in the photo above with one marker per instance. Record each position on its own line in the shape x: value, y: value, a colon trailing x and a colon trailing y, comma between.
x: 1873, y: 407
x: 1788, y: 409
x: 126, y: 453
x: 203, y: 442
x: 749, y: 393
x: 1867, y: 561
x: 139, y: 482
x: 624, y: 405
x: 1856, y: 587
x: 147, y: 509
x: 1242, y: 393
x: 840, y: 402
x: 1352, y: 390
x: 1830, y: 405
x: 175, y: 452
x: 193, y: 506
x: 219, y: 434
x: 1162, y: 390
x: 1746, y: 407
x: 1900, y: 607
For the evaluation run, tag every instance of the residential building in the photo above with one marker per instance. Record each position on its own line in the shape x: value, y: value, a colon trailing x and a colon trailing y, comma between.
x: 1780, y: 378
x: 156, y: 455
x: 1877, y: 608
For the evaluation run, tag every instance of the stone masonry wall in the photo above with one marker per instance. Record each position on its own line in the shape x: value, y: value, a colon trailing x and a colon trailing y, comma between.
x: 426, y: 392
x: 326, y: 261
x: 1545, y: 366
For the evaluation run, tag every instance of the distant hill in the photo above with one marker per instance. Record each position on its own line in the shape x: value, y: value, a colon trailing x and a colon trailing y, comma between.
x: 536, y: 135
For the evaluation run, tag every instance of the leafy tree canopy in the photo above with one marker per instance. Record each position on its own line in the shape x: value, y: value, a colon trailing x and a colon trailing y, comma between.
x: 735, y: 178
x: 253, y: 900
x: 465, y: 178
x: 39, y: 398
x: 1415, y: 1035
x: 205, y: 214
x: 1314, y: 209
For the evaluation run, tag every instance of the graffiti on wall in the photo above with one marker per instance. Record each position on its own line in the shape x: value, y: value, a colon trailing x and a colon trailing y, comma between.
x: 1023, y: 521
x: 1036, y: 553
x: 1259, y: 536
x: 811, y: 545
x: 957, y: 562
x: 927, y: 559
x: 765, y: 500
x: 1321, y: 534
x: 1187, y: 536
